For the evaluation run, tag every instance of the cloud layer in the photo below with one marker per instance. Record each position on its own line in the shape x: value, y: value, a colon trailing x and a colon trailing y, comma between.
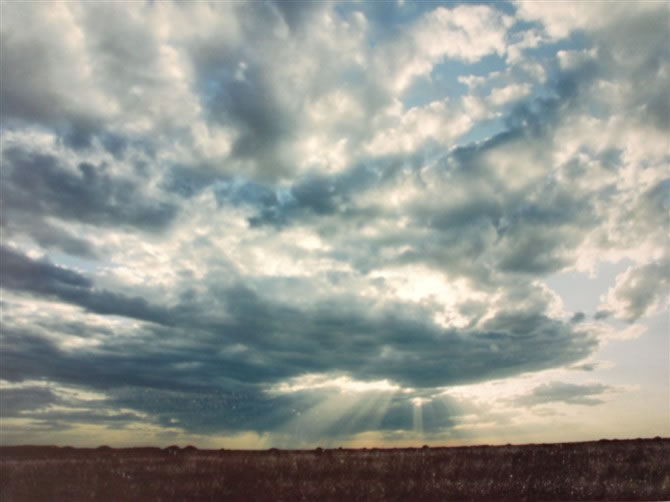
x: 203, y: 203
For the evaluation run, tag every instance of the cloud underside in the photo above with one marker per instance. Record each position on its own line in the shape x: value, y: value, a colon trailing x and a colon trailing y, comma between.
x: 202, y: 202
x: 560, y: 392
x: 186, y: 351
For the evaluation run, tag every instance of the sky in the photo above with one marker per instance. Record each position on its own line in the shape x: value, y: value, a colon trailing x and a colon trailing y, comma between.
x: 297, y: 224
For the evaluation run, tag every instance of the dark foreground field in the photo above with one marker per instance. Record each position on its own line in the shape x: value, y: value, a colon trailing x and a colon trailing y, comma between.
x: 603, y: 470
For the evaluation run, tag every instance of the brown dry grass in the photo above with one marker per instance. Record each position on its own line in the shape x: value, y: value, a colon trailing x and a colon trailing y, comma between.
x: 604, y: 470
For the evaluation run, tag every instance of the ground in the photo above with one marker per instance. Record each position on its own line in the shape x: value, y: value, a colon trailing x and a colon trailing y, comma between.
x: 602, y: 470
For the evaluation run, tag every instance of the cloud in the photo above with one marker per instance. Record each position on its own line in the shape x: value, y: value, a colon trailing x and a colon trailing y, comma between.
x: 578, y: 317
x: 47, y: 69
x: 41, y: 194
x: 42, y: 278
x: 465, y: 32
x: 58, y: 408
x: 241, y: 195
x: 638, y: 290
x: 502, y: 95
x: 561, y: 392
x: 194, y: 358
x: 250, y: 106
x: 388, y: 342
x: 560, y: 20
x: 19, y: 400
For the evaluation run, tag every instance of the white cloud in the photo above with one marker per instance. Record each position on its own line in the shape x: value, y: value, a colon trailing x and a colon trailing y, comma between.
x: 571, y: 60
x: 524, y: 40
x: 513, y: 92
x: 465, y: 33
x: 561, y: 18
x: 343, y: 384
x: 408, y: 130
x: 639, y: 291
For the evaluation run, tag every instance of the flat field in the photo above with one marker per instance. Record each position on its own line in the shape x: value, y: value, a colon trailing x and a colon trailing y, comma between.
x: 603, y: 470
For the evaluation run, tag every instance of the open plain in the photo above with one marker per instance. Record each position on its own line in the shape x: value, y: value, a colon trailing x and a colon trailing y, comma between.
x: 603, y: 470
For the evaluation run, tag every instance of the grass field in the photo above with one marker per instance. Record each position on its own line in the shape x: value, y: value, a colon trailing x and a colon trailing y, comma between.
x: 604, y: 470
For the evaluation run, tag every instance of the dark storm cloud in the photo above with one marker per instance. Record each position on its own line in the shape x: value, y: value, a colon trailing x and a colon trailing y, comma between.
x: 147, y: 381
x: 190, y: 363
x: 236, y: 409
x: 38, y: 186
x: 40, y: 277
x: 340, y: 336
x: 22, y: 273
x: 232, y: 409
x: 15, y: 401
x: 344, y: 336
x: 47, y: 235
x: 45, y: 406
x: 560, y: 392
x: 229, y: 408
x: 119, y: 364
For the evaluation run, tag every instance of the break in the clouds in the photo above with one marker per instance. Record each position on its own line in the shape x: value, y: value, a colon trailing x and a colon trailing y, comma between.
x: 299, y: 223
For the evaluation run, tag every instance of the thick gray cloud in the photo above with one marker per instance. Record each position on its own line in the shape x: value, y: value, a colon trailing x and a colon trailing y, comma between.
x: 184, y: 350
x: 18, y: 400
x: 37, y: 183
x: 49, y: 411
x: 22, y: 273
x: 338, y: 336
x: 18, y: 272
x: 37, y: 188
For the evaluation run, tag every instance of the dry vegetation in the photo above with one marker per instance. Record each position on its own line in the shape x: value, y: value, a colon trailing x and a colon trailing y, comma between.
x: 603, y: 470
